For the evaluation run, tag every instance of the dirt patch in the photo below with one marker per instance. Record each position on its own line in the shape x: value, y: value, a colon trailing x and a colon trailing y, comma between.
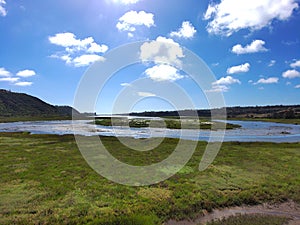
x: 287, y: 209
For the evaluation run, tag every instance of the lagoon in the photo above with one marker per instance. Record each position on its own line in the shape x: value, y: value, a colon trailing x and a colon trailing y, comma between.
x: 251, y: 131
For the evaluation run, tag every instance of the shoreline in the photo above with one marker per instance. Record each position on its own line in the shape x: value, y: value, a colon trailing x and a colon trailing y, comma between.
x: 289, y: 209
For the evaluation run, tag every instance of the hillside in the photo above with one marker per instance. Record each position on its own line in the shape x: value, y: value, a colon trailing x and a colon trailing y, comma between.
x: 14, y: 104
x: 275, y: 112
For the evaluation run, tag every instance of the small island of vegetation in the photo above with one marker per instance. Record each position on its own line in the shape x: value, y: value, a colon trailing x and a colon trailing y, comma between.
x: 170, y: 123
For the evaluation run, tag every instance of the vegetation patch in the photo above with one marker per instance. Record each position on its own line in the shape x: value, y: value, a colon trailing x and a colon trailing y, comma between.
x: 174, y: 123
x: 41, y: 184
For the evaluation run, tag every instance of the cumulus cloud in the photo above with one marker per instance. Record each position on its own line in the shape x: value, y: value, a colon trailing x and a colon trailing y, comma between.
x: 145, y: 94
x: 125, y: 84
x: 230, y: 16
x: 6, y: 76
x: 222, y: 85
x: 295, y: 64
x: 226, y: 81
x: 3, y: 11
x: 95, y: 48
x: 297, y: 86
x: 291, y: 74
x: 77, y: 52
x: 26, y: 73
x: 255, y: 46
x: 9, y: 79
x: 4, y: 72
x: 131, y: 19
x: 270, y: 80
x: 219, y: 88
x: 85, y: 60
x: 125, y: 2
x: 187, y: 30
x: 166, y: 54
x: 163, y: 72
x: 162, y: 50
x: 243, y: 68
x: 69, y: 40
x: 271, y: 63
x: 23, y: 83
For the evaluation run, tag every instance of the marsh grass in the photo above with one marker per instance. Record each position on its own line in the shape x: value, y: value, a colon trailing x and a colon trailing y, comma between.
x: 170, y: 123
x: 45, y: 180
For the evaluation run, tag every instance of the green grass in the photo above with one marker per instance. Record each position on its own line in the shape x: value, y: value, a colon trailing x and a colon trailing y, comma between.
x: 45, y: 180
x: 256, y: 219
x: 190, y: 123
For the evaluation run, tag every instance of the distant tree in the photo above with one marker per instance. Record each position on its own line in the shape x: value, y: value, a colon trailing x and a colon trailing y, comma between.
x: 289, y: 114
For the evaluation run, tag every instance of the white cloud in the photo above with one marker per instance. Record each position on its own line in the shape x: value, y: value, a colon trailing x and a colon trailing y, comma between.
x: 9, y: 79
x: 162, y: 50
x: 270, y: 80
x: 297, y: 86
x: 243, y: 68
x: 130, y: 35
x: 163, y: 72
x: 72, y: 44
x: 23, y: 83
x: 125, y: 84
x: 95, y: 48
x: 129, y: 20
x: 65, y: 58
x: 219, y: 88
x: 271, y: 63
x: 125, y: 2
x: 187, y: 30
x: 85, y: 60
x: 291, y: 74
x: 211, y: 10
x: 77, y: 52
x: 26, y: 73
x: 295, y: 64
x: 69, y: 40
x: 226, y: 81
x: 255, y: 46
x: 145, y: 94
x: 4, y: 72
x: 3, y: 11
x: 6, y: 76
x: 230, y: 16
x: 290, y: 42
x: 222, y: 84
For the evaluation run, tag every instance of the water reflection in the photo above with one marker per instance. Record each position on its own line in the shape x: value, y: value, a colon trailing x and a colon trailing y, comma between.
x: 250, y: 131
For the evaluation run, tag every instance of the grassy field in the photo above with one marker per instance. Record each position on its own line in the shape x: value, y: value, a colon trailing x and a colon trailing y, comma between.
x: 45, y: 180
x: 173, y: 123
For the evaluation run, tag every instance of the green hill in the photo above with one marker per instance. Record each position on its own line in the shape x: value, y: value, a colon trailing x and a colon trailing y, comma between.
x: 20, y: 105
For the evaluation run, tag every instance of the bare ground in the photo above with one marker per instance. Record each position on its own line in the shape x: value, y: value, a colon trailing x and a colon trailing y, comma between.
x: 287, y: 209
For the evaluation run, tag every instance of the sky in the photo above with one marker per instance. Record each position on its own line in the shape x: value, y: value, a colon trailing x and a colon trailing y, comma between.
x: 251, y: 46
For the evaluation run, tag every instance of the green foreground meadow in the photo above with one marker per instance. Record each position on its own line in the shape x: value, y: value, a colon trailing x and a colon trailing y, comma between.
x: 45, y: 180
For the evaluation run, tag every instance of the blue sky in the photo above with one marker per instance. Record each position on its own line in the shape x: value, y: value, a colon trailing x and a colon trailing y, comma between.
x: 252, y: 47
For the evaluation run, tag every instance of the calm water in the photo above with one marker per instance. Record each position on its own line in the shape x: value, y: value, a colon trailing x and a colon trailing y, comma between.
x: 250, y: 131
